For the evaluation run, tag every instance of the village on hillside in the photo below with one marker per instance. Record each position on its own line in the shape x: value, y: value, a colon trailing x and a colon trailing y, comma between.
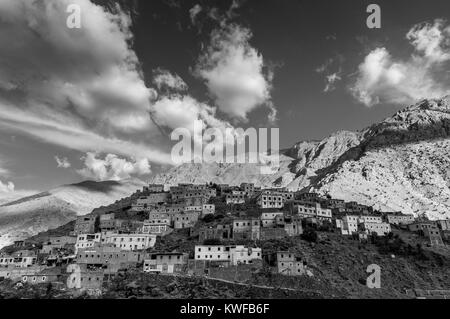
x: 224, y: 227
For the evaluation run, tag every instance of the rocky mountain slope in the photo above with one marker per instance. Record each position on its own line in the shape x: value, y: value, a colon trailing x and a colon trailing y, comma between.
x: 30, y: 215
x: 400, y: 164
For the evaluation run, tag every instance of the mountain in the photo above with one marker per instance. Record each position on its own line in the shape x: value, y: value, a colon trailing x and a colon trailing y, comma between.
x: 30, y: 215
x: 399, y: 164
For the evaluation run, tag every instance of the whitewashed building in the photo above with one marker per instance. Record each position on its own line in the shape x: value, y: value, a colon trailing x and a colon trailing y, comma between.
x: 132, y: 241
x: 87, y: 241
x: 234, y: 255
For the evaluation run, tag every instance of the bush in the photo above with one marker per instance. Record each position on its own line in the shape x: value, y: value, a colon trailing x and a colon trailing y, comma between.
x: 309, y: 235
x: 212, y: 241
x: 208, y: 218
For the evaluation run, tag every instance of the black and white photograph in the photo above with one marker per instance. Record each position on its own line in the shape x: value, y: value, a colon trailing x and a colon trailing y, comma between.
x: 241, y: 151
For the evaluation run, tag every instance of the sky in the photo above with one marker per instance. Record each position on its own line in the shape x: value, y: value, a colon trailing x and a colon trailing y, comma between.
x: 99, y: 102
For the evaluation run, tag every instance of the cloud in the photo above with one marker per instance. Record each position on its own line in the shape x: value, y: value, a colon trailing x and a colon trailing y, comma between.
x: 164, y: 80
x: 67, y: 132
x: 331, y: 80
x: 383, y: 79
x: 432, y: 40
x: 112, y: 167
x: 331, y: 69
x: 62, y: 162
x: 194, y: 12
x: 6, y: 187
x: 79, y: 88
x: 234, y: 72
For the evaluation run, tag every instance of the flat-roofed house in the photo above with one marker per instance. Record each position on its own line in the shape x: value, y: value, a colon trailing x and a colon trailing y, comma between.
x: 166, y: 263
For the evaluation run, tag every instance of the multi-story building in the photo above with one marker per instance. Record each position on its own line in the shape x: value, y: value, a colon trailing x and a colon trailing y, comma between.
x: 434, y: 235
x: 269, y: 219
x: 352, y: 224
x: 310, y: 197
x: 185, y: 220
x: 293, y: 225
x: 370, y: 219
x: 182, y: 192
x: 208, y: 209
x: 421, y: 226
x: 248, y: 188
x: 157, y: 226
x: 337, y: 204
x: 233, y: 255
x: 429, y: 230
x: 400, y: 219
x: 108, y: 257
x: 57, y: 243
x: 220, y: 232
x: 443, y: 224
x: 131, y: 241
x: 380, y: 228
x: 356, y: 208
x: 307, y: 210
x: 223, y: 189
x: 107, y: 222
x: 49, y: 275
x: 153, y: 188
x: 19, y: 259
x: 149, y: 201
x: 235, y: 197
x: 270, y: 199
x: 166, y: 263
x: 249, y: 228
x: 289, y: 264
x: 348, y: 224
x: 87, y: 241
x: 194, y: 201
x: 85, y: 225
x: 80, y: 277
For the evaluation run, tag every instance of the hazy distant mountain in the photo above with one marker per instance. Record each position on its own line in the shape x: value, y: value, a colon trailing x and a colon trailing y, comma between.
x: 30, y: 215
x: 400, y: 164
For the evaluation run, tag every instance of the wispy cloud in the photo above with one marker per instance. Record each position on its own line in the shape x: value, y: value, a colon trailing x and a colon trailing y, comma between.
x: 78, y: 88
x: 63, y: 162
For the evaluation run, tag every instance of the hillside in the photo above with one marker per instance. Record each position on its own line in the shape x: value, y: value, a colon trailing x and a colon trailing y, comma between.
x: 402, y: 164
x: 399, y: 164
x: 30, y: 215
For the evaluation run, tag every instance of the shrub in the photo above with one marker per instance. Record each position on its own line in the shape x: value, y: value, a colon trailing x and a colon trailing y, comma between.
x: 208, y: 218
x: 212, y: 241
x: 309, y: 235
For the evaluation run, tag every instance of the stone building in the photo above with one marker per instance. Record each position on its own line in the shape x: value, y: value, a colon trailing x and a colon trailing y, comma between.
x: 289, y: 264
x: 166, y: 263
x: 248, y: 228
